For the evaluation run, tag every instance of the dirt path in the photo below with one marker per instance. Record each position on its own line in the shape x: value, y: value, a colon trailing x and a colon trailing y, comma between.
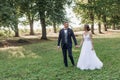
x: 28, y: 39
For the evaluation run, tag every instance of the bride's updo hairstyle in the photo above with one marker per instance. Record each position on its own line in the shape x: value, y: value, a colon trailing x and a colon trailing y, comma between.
x: 86, y: 27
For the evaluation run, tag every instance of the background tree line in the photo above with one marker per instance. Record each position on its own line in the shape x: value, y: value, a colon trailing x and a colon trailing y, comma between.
x: 104, y: 12
x: 49, y: 12
x: 52, y: 12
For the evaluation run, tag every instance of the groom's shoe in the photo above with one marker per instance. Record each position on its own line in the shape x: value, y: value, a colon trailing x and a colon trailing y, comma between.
x: 66, y: 65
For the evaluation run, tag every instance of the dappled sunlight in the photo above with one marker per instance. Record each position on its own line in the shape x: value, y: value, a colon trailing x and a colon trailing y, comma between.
x: 108, y: 34
x: 7, y: 48
x: 76, y: 50
x: 16, y: 53
x: 19, y: 52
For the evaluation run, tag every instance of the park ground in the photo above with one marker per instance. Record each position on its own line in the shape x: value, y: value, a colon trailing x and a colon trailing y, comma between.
x: 37, y: 59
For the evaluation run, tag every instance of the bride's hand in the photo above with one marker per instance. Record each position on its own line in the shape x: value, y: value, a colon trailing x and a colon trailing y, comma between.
x: 92, y: 48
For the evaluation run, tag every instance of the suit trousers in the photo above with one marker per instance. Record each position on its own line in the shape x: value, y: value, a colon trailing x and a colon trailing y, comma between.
x: 66, y: 49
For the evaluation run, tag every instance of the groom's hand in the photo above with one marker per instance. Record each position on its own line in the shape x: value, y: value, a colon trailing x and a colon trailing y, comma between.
x: 77, y: 46
x: 58, y: 47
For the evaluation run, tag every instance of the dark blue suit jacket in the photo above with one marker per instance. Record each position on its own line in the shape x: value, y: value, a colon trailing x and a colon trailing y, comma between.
x: 61, y: 38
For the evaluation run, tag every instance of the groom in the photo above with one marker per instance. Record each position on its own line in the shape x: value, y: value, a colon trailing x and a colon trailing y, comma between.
x: 64, y: 38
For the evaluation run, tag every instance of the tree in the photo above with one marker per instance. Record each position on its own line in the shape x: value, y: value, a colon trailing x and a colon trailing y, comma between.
x: 44, y: 7
x: 56, y: 15
x: 88, y: 8
x: 28, y: 7
x: 16, y: 12
x: 98, y: 14
x: 100, y: 11
x: 5, y: 12
x: 9, y: 15
x: 114, y: 17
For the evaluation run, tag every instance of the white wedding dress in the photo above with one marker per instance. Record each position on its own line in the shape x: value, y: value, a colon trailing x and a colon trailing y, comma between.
x: 88, y: 59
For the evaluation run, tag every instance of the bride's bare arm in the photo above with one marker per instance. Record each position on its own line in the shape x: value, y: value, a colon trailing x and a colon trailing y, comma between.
x: 81, y: 41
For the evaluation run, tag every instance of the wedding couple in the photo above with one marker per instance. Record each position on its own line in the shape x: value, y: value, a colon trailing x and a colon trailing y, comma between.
x: 88, y: 59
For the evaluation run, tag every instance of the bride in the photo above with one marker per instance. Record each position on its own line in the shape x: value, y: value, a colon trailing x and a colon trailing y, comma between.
x: 88, y: 59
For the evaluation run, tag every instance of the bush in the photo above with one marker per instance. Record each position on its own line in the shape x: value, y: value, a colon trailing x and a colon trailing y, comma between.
x: 5, y: 33
x: 2, y: 33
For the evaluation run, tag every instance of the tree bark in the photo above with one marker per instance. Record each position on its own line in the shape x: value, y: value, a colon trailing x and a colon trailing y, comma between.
x: 92, y: 28
x: 31, y: 27
x: 92, y: 25
x: 42, y: 20
x: 105, y: 23
x: 31, y: 21
x: 113, y: 27
x: 99, y: 28
x: 99, y: 24
x: 105, y: 27
x: 91, y: 17
x: 16, y: 31
x: 54, y: 27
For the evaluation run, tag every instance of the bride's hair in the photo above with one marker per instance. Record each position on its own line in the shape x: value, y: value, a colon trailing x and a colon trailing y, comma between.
x: 86, y: 26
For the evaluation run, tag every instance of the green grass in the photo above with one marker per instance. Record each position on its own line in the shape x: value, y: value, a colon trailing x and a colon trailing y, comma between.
x: 42, y: 61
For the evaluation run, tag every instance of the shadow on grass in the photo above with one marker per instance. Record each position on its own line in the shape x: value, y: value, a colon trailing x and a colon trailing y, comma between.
x: 20, y: 42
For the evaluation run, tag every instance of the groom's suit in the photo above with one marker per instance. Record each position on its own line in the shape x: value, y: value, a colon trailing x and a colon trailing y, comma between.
x: 65, y: 38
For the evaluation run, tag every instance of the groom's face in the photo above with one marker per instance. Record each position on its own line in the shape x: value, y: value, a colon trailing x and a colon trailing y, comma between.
x: 66, y: 25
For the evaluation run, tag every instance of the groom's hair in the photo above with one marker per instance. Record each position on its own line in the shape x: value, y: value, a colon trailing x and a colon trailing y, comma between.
x: 65, y: 22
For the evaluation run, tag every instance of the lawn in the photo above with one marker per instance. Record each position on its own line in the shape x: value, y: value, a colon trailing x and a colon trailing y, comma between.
x: 42, y: 61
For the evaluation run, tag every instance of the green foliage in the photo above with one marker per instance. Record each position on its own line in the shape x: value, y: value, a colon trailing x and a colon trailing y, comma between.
x: 100, y: 8
x: 6, y: 33
x: 12, y: 10
x: 7, y: 17
x: 56, y: 13
x: 50, y: 10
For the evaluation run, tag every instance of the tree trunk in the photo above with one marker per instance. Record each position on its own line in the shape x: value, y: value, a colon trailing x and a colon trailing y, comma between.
x: 99, y: 27
x: 99, y: 24
x: 105, y: 23
x: 31, y: 27
x: 113, y: 27
x: 92, y: 28
x: 91, y: 18
x: 92, y: 25
x: 42, y: 20
x: 31, y: 24
x: 16, y: 31
x: 105, y: 27
x: 54, y: 27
